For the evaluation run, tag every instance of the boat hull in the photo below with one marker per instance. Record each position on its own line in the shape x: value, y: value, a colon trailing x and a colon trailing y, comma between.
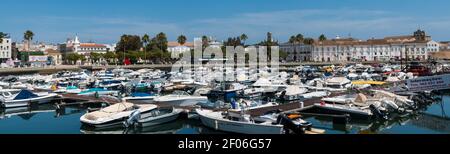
x: 240, y: 127
x: 166, y: 118
x: 27, y: 102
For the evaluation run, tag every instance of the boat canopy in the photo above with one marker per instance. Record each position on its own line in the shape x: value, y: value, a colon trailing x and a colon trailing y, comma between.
x: 25, y: 94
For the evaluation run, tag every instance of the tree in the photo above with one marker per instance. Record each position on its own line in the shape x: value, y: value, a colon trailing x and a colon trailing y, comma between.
x: 161, y: 41
x: 2, y: 35
x: 322, y: 38
x: 145, y: 41
x: 72, y: 57
x: 110, y: 56
x: 299, y: 38
x: 244, y: 38
x: 95, y: 57
x: 292, y: 39
x: 28, y: 35
x: 181, y: 39
x: 129, y: 43
x: 308, y: 41
x: 205, y: 41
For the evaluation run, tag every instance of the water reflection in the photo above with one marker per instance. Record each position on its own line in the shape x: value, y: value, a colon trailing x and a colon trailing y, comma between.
x: 430, y: 119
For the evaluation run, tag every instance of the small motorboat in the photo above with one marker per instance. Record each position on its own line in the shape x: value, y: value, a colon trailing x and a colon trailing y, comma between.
x: 243, y: 123
x: 115, y: 115
x: 25, y: 98
x: 159, y: 116
x: 141, y: 96
x: 180, y: 98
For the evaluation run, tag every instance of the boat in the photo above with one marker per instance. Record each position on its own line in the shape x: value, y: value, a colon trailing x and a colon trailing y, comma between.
x: 292, y: 93
x: 353, y: 110
x: 159, y: 116
x: 243, y: 124
x: 98, y: 91
x: 141, y: 96
x: 114, y: 115
x: 25, y: 98
x: 180, y: 98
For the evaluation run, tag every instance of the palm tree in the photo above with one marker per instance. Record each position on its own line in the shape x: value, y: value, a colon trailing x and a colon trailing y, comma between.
x: 145, y: 39
x: 244, y: 37
x: 299, y: 38
x: 205, y: 41
x: 322, y: 38
x: 2, y: 35
x: 28, y: 35
x: 292, y: 39
x: 181, y: 39
x: 308, y: 41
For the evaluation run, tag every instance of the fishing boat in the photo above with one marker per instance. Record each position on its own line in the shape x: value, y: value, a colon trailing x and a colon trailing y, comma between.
x: 25, y: 98
x: 242, y: 124
x: 114, y: 115
x: 180, y: 98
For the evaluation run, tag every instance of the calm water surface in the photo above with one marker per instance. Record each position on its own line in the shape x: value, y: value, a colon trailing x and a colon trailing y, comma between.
x: 46, y: 120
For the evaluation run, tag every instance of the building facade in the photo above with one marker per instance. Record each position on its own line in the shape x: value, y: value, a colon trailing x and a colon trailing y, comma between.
x: 5, y: 49
x: 414, y: 47
x: 176, y: 48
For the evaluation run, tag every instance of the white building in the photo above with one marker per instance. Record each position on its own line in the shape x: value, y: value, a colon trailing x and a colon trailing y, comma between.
x: 74, y: 45
x: 176, y: 48
x: 5, y: 49
x: 416, y: 47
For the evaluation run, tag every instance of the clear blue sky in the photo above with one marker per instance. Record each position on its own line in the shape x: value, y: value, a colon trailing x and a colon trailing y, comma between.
x: 104, y: 21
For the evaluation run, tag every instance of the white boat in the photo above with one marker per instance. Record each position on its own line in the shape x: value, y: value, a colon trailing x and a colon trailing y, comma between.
x: 180, y: 98
x: 159, y: 116
x: 243, y: 124
x: 292, y: 93
x: 114, y: 115
x: 354, y: 111
x: 25, y: 98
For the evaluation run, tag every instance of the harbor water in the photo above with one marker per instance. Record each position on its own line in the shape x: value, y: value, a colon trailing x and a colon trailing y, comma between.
x: 46, y: 119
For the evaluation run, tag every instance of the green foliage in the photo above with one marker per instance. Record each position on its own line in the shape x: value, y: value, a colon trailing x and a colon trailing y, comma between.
x: 72, y: 58
x: 181, y: 39
x: 2, y: 35
x: 129, y: 43
x: 322, y: 37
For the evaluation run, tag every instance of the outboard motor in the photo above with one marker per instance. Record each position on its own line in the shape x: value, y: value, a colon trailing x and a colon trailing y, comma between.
x: 291, y: 125
x: 132, y: 119
x: 377, y: 112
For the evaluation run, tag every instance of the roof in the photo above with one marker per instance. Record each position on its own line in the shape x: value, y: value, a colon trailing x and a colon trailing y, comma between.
x: 51, y: 51
x: 441, y: 54
x: 176, y: 44
x: 92, y: 45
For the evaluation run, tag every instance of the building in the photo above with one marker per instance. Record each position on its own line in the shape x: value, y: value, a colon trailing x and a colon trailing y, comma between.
x: 416, y: 47
x: 5, y: 49
x: 444, y: 45
x: 74, y: 45
x: 54, y: 57
x: 176, y: 48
